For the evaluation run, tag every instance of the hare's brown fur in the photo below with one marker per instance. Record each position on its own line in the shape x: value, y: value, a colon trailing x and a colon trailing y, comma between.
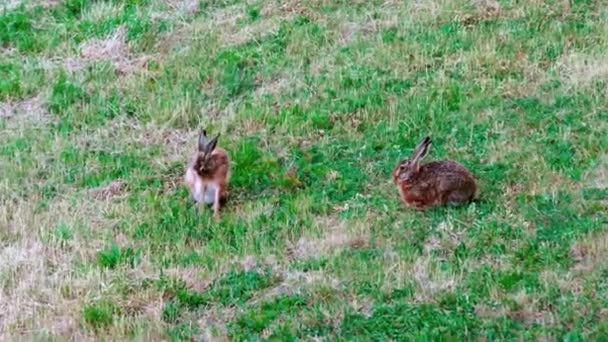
x: 208, y: 173
x: 436, y: 183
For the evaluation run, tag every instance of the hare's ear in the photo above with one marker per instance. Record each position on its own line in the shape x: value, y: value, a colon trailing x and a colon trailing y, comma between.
x: 202, y: 141
x: 212, y: 144
x: 421, y: 151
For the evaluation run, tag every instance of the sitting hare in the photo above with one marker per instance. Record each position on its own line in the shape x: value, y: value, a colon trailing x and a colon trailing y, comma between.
x: 207, y: 175
x: 423, y: 186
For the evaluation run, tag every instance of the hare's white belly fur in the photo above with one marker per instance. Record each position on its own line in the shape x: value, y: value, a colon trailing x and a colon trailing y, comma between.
x: 196, y: 185
x: 209, y: 195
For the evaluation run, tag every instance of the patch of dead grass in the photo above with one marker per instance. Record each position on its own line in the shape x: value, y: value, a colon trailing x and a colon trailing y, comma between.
x: 430, y: 279
x: 485, y: 311
x: 179, y: 8
x: 114, y: 48
x: 335, y: 238
x: 276, y: 87
x: 590, y: 252
x: 519, y: 75
x: 484, y: 10
x: 566, y: 282
x: 295, y: 282
x: 429, y: 8
x: 527, y: 309
x: 225, y: 21
x: 271, y: 15
x: 221, y: 22
x: 598, y: 176
x: 425, y: 270
x: 177, y: 144
x: 111, y: 190
x: 255, y: 31
x: 446, y: 240
x: 31, y: 111
x: 39, y: 289
x: 100, y: 10
x: 287, y: 9
x: 578, y: 69
x: 191, y: 276
x: 12, y: 4
x: 348, y: 32
x: 213, y: 321
x: 32, y: 277
x: 249, y: 263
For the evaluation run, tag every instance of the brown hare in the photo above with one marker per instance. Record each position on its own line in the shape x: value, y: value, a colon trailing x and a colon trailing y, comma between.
x: 207, y: 175
x: 423, y: 186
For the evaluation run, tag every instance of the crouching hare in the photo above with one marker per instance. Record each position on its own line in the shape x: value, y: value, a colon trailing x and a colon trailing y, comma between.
x: 423, y: 186
x: 207, y: 175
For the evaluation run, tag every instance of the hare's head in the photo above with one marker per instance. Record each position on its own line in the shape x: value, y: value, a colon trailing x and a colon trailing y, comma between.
x: 408, y: 169
x: 204, y: 162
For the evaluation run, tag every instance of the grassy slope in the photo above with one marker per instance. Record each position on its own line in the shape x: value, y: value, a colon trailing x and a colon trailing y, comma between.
x: 101, y: 102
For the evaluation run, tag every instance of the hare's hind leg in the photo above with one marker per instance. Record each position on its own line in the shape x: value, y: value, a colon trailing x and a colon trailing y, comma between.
x: 216, y: 203
x: 458, y: 197
x: 223, y: 194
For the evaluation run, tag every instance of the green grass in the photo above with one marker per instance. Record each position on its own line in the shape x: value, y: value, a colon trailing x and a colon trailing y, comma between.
x: 316, y: 102
x: 99, y: 315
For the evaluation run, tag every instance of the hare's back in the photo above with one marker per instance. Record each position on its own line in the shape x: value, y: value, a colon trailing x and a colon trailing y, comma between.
x: 446, y: 167
x: 449, y: 174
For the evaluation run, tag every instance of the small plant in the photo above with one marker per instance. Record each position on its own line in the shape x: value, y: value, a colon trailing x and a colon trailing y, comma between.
x: 63, y: 234
x: 253, y: 13
x: 114, y: 255
x: 100, y: 314
x: 64, y: 94
x: 171, y: 311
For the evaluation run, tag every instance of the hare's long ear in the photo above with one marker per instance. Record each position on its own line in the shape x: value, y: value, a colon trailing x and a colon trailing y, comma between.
x: 212, y: 144
x: 421, y: 151
x: 202, y: 141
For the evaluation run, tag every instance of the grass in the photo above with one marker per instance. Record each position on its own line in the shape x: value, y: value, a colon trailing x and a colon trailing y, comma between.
x: 101, y: 103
